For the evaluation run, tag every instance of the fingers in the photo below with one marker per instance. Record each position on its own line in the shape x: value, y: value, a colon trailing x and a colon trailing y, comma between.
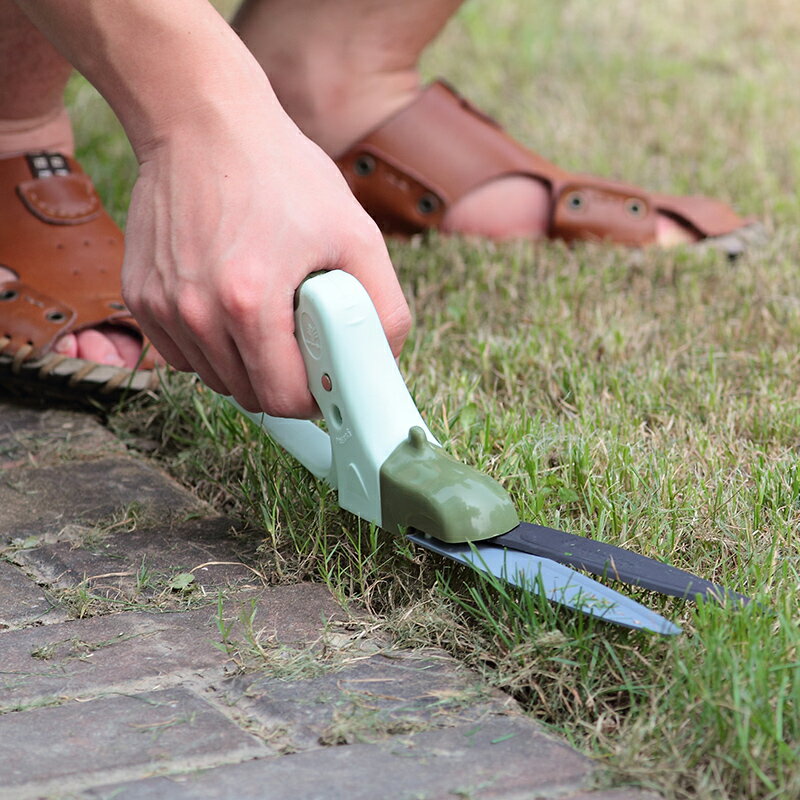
x: 273, y: 362
x: 212, y: 267
x: 187, y: 351
x: 369, y: 262
x: 246, y: 352
x: 240, y: 340
x: 246, y: 347
x: 215, y: 358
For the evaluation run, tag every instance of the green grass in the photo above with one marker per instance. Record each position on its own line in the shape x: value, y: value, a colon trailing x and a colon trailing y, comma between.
x: 647, y: 400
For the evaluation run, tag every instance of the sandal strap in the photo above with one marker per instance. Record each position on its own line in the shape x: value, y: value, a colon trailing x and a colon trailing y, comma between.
x: 65, y: 249
x: 31, y: 318
x: 410, y: 169
x: 586, y: 208
x: 710, y: 218
x: 61, y: 199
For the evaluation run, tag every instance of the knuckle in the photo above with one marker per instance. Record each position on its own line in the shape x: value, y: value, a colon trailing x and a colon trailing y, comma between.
x: 238, y: 299
x: 398, y: 324
x: 284, y: 405
x: 248, y: 402
x: 192, y: 313
x: 211, y: 380
x: 367, y: 236
x: 278, y: 407
x: 133, y: 298
x: 146, y: 304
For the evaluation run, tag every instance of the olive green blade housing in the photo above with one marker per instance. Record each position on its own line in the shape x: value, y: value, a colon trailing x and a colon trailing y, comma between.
x: 424, y: 488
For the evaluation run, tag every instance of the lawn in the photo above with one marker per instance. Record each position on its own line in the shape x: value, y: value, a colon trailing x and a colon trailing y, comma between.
x: 646, y: 399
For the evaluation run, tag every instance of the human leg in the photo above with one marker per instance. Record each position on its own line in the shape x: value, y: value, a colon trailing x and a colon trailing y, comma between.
x: 32, y: 81
x: 33, y: 119
x: 342, y: 69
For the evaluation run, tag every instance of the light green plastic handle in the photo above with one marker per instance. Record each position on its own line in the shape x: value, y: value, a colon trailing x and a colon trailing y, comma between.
x: 362, y: 395
x: 310, y: 445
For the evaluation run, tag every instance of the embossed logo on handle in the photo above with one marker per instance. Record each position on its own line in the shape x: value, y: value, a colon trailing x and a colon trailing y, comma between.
x: 310, y: 334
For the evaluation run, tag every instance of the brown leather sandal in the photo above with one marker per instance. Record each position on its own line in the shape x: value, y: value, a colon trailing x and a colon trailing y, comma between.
x: 409, y: 170
x: 67, y: 255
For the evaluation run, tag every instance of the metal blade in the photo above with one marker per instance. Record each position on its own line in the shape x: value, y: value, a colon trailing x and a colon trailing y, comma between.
x: 608, y: 561
x: 560, y: 584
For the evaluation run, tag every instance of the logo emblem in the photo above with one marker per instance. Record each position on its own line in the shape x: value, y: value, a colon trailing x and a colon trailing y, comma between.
x: 310, y: 334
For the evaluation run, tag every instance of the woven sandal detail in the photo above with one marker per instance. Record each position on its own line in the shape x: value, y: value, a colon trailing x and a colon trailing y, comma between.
x: 66, y: 253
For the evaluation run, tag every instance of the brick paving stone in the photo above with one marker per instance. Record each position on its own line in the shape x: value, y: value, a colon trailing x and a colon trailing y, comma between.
x: 43, y: 501
x: 368, y: 699
x: 503, y: 758
x: 204, y: 547
x: 288, y: 615
x: 42, y: 435
x: 142, y: 705
x: 21, y: 600
x: 110, y: 736
x: 85, y: 657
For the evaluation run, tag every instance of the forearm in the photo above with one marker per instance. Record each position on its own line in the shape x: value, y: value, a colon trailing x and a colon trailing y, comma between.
x: 162, y: 66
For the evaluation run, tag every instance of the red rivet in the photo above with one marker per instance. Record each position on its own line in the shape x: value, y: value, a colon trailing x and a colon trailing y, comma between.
x: 327, y: 385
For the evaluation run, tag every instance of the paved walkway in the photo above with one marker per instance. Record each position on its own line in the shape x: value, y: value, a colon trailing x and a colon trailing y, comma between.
x: 140, y: 658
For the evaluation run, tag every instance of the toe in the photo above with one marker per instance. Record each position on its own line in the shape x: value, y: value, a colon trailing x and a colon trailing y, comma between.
x: 67, y: 346
x: 128, y: 345
x: 670, y: 232
x: 96, y: 346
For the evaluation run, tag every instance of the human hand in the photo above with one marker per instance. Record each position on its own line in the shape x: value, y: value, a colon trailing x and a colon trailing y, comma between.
x: 225, y: 223
x: 233, y: 207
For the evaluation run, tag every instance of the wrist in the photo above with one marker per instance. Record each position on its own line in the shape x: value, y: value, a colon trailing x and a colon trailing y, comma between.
x: 211, y: 117
x: 202, y: 95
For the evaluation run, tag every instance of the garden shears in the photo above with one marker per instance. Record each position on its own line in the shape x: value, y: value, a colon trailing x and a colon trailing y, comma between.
x: 390, y: 470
